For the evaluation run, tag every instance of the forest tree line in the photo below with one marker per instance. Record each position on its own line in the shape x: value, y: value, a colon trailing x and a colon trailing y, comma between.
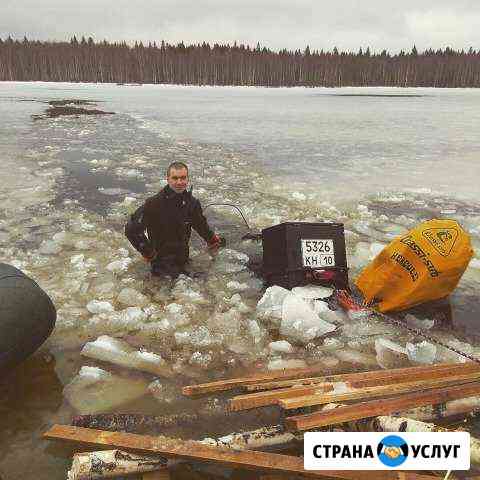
x: 85, y: 60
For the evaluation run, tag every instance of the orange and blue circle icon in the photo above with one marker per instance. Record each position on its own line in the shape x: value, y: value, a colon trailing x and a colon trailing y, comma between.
x: 392, y: 450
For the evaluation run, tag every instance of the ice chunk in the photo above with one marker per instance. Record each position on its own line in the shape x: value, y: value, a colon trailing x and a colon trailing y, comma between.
x: 446, y: 355
x: 182, y: 338
x: 330, y: 362
x: 60, y: 237
x: 312, y: 291
x: 157, y: 329
x: 95, y: 390
x: 96, y: 306
x: 130, y: 318
x: 233, y: 255
x: 376, y: 248
x: 192, y: 296
x: 50, y: 247
x: 422, y: 352
x: 362, y: 253
x: 330, y: 344
x: 84, y: 244
x: 229, y: 267
x: 176, y: 315
x: 280, y: 364
x: 119, y: 265
x: 78, y: 261
x: 324, y: 312
x: 300, y: 322
x: 236, y: 301
x: 270, y: 305
x: 474, y: 263
x: 119, y: 352
x: 354, y: 356
x: 129, y: 201
x: 390, y: 354
x: 236, y: 286
x: 415, y: 322
x: 201, y: 359
x: 340, y: 387
x: 280, y: 346
x: 364, y: 327
x: 256, y: 331
x: 299, y: 196
x: 132, y: 298
x: 106, y: 289
x: 163, y: 392
x: 199, y: 337
x: 239, y: 346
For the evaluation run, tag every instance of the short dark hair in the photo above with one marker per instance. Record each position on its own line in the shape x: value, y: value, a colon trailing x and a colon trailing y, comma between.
x: 176, y: 166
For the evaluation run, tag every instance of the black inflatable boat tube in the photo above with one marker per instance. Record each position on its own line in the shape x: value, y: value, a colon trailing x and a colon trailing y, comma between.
x: 27, y: 316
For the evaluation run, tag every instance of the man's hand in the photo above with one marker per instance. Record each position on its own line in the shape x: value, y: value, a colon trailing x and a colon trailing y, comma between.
x: 150, y: 257
x: 215, y: 243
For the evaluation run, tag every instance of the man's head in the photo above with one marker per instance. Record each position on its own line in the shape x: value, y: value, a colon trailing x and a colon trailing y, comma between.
x: 177, y: 176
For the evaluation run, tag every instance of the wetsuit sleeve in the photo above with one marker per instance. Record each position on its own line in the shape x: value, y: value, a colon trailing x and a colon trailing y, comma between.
x: 200, y: 224
x: 135, y: 232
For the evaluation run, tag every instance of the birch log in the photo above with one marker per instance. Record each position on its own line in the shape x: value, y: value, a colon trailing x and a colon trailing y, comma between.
x: 112, y: 463
x: 469, y: 406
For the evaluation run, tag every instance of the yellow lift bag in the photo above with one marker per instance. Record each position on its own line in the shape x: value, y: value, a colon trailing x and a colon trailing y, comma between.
x: 425, y: 264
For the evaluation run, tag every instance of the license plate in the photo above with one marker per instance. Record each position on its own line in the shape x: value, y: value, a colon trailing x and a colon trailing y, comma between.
x: 318, y: 253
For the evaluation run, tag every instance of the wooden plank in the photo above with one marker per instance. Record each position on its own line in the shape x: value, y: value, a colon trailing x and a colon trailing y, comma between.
x: 400, y: 476
x: 375, y: 376
x: 163, y: 474
x: 228, y: 384
x: 270, y: 397
x: 383, y: 377
x: 196, y: 451
x: 374, y: 408
x: 375, y: 392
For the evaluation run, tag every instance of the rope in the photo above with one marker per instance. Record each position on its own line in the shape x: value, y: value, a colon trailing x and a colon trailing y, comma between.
x: 416, y: 331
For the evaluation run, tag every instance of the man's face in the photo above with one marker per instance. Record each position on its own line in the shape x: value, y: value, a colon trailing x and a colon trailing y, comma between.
x: 178, y: 179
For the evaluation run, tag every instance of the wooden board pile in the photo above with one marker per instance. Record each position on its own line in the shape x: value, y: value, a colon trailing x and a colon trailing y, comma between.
x: 334, y: 399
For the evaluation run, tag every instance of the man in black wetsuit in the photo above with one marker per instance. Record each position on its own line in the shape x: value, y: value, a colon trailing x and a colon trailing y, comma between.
x: 168, y: 218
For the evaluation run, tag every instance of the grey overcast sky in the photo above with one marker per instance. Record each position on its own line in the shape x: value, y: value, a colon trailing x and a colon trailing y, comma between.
x: 347, y: 24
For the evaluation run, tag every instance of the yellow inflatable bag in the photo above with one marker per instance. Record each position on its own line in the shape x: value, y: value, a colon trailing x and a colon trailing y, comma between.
x: 425, y: 264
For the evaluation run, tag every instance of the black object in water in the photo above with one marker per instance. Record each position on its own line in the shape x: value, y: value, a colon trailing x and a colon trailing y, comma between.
x: 27, y: 316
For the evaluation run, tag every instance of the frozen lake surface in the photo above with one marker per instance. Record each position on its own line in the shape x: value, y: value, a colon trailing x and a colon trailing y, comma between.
x: 379, y: 160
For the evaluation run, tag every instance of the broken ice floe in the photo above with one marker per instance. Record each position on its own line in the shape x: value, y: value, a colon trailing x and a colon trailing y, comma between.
x: 280, y: 364
x: 355, y: 357
x: 281, y: 346
x: 415, y: 322
x: 423, y: 352
x: 390, y: 354
x: 95, y: 390
x: 119, y: 352
x: 300, y: 322
x: 163, y: 392
x: 236, y: 286
x: 119, y: 265
x: 97, y: 306
x: 132, y: 298
x: 201, y: 359
x: 312, y: 292
x: 270, y: 305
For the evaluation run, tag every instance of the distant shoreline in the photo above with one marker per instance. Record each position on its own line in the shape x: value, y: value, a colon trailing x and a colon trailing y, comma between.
x: 302, y: 87
x: 237, y: 65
